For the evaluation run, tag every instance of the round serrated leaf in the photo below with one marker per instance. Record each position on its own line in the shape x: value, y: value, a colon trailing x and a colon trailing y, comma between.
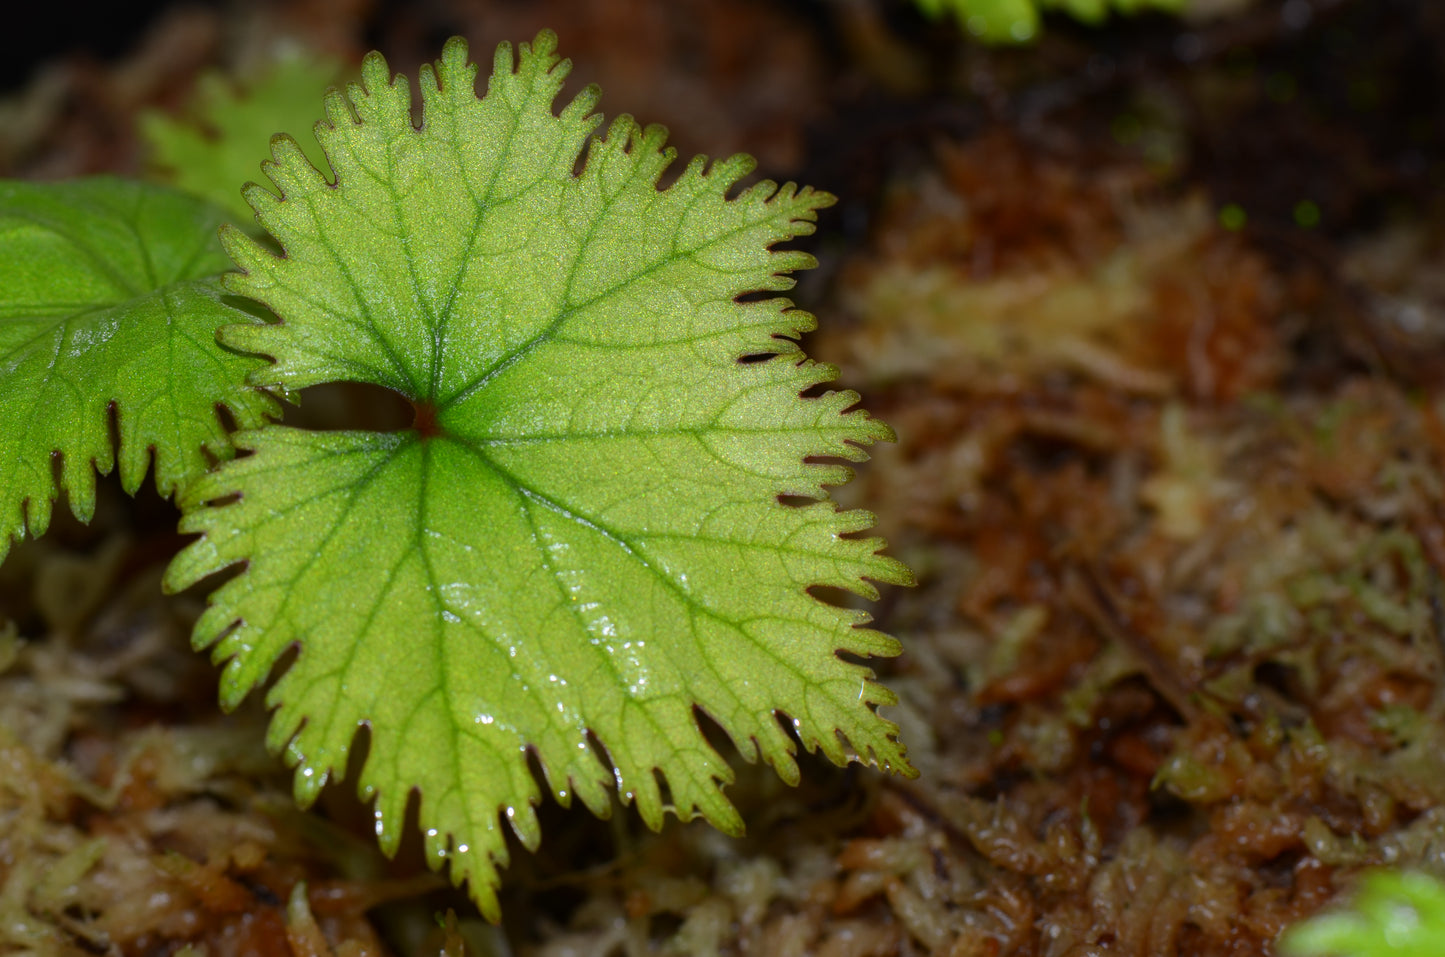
x: 580, y: 541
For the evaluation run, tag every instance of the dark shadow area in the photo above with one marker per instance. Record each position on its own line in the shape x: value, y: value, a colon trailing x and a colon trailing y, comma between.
x: 339, y: 406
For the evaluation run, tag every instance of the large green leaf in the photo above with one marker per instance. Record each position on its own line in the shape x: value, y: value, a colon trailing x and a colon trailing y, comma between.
x: 580, y: 541
x: 109, y: 302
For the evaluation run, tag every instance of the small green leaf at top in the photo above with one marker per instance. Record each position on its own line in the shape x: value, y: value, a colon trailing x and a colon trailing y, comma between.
x: 580, y: 542
x: 222, y: 139
x: 1018, y: 21
x: 110, y: 298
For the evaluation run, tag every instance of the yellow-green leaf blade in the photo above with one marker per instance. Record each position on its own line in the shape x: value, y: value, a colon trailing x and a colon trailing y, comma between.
x: 581, y: 540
